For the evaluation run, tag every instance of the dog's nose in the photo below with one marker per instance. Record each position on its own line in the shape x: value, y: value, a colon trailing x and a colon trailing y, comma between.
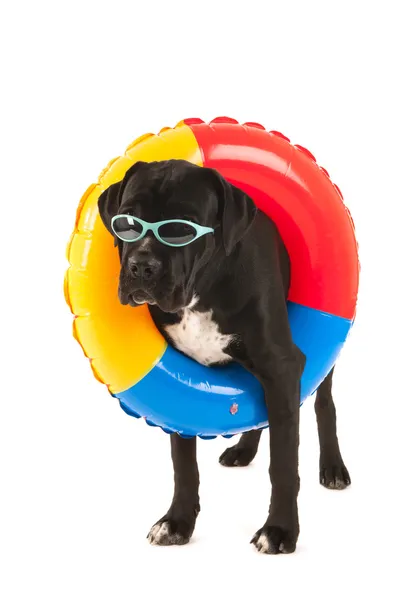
x: 144, y: 268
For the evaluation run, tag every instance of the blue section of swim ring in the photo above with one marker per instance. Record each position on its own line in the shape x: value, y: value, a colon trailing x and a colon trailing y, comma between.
x: 180, y: 395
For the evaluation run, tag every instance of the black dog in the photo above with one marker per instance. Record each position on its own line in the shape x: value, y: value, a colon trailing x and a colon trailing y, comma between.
x: 220, y: 298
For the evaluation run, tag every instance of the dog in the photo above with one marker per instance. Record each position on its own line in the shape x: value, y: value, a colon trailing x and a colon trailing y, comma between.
x: 215, y: 274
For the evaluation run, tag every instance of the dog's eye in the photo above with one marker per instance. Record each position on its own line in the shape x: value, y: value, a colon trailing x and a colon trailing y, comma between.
x: 127, y: 228
x: 177, y: 233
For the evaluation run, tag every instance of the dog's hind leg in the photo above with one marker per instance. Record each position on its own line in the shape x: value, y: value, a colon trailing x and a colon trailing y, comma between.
x: 332, y: 470
x: 242, y: 453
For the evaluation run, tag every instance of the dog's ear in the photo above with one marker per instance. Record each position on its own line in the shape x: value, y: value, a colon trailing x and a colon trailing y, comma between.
x: 236, y: 213
x: 110, y: 200
x: 108, y: 203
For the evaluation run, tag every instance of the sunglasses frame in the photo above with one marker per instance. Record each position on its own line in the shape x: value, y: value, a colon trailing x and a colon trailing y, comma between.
x: 200, y: 229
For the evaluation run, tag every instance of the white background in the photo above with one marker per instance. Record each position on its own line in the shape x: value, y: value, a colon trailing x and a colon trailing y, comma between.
x: 81, y: 483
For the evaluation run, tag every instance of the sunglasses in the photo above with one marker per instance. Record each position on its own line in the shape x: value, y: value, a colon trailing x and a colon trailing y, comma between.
x: 174, y: 232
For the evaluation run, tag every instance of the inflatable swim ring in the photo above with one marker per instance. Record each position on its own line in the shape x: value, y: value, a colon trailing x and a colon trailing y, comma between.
x: 126, y: 351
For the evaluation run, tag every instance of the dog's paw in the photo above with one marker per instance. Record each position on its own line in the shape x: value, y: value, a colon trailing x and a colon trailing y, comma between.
x: 237, y: 457
x: 170, y: 532
x: 274, y: 540
x: 334, y: 475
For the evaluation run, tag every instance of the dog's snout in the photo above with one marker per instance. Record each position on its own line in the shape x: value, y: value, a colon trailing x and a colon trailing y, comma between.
x: 144, y: 268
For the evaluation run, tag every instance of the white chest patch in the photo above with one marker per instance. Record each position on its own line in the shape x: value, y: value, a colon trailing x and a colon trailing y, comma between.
x: 198, y: 336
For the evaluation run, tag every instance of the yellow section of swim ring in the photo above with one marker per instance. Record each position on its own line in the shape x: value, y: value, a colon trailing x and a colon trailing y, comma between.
x: 121, y: 342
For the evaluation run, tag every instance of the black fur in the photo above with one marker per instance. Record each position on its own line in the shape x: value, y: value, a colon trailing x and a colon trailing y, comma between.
x: 242, y: 273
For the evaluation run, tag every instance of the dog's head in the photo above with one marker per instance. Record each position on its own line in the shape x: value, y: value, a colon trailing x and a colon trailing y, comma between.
x: 151, y: 271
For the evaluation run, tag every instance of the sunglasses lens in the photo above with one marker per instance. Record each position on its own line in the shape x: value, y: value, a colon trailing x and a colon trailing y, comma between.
x: 127, y: 228
x: 177, y: 234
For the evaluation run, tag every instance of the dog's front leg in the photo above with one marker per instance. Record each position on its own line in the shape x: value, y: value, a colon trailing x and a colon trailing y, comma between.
x: 278, y: 364
x: 177, y: 525
x: 280, y: 373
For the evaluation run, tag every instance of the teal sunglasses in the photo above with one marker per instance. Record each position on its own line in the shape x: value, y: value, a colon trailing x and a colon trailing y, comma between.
x: 173, y: 232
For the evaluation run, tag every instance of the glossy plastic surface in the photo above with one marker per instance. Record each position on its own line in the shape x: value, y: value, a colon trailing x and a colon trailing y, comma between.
x: 285, y: 181
x: 197, y: 400
x: 123, y: 344
x: 126, y: 351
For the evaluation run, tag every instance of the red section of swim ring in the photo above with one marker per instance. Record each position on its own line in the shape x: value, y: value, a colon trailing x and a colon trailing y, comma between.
x: 288, y: 185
